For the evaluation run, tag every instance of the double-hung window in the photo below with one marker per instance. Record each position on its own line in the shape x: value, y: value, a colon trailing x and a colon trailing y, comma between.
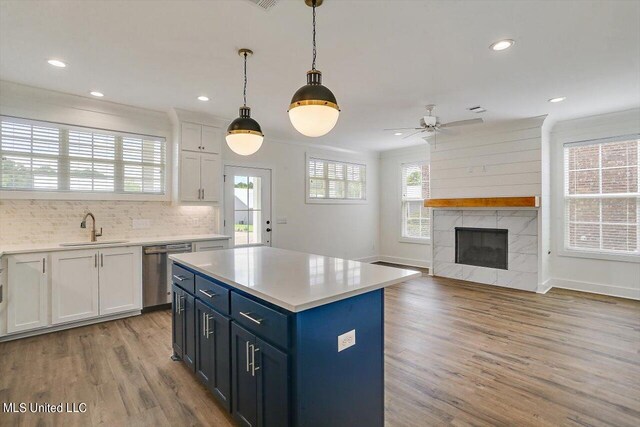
x: 602, y: 201
x: 331, y: 181
x: 416, y: 222
x: 50, y: 157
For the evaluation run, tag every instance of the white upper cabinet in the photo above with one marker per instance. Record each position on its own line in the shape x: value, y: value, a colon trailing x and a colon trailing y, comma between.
x: 27, y: 292
x: 211, y: 139
x: 210, y: 172
x: 74, y: 285
x: 190, y: 188
x: 202, y: 138
x: 120, y: 279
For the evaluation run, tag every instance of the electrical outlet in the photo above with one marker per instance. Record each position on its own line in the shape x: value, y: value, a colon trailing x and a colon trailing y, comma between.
x: 346, y: 340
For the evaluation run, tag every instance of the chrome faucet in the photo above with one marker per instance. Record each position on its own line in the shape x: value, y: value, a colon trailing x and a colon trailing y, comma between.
x: 83, y: 224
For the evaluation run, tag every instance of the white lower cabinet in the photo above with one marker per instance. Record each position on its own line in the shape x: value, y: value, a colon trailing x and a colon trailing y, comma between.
x: 74, y: 285
x: 27, y: 292
x: 120, y: 279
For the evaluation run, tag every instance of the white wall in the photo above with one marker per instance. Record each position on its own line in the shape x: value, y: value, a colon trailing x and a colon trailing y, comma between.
x: 611, y: 277
x: 392, y: 249
x: 497, y: 160
x: 340, y: 230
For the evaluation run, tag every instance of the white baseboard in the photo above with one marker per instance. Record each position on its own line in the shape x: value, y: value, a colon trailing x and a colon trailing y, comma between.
x: 405, y: 261
x: 71, y: 325
x: 597, y: 288
x: 545, y: 286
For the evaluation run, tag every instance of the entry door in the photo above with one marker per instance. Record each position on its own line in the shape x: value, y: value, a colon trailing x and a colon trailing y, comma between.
x: 247, y: 201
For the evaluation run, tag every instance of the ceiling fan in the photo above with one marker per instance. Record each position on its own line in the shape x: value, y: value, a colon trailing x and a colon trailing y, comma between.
x: 431, y: 124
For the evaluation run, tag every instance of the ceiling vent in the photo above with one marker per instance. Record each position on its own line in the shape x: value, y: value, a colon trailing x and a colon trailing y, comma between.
x: 477, y: 109
x: 264, y: 4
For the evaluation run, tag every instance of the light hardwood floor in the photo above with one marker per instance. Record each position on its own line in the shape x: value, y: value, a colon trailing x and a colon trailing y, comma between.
x: 456, y: 354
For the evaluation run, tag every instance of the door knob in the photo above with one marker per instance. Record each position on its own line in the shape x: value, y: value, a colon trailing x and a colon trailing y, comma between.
x: 268, y: 230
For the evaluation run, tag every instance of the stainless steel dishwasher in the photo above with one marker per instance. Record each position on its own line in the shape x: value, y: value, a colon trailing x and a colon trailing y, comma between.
x: 156, y: 274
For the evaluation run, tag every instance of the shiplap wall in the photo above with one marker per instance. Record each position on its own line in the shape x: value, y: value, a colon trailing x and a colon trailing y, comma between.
x: 489, y: 161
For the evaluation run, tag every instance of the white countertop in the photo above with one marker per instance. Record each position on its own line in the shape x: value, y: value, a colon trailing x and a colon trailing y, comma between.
x: 134, y: 241
x: 295, y: 281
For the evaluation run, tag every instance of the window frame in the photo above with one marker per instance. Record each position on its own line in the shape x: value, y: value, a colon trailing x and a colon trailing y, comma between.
x: 401, y: 237
x: 562, y: 202
x: 37, y: 194
x: 334, y: 201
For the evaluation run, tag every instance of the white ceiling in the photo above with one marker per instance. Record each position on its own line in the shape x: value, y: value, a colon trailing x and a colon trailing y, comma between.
x: 384, y: 60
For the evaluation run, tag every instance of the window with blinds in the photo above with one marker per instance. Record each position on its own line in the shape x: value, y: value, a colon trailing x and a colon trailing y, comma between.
x: 416, y: 221
x: 602, y: 201
x: 40, y: 156
x: 334, y: 180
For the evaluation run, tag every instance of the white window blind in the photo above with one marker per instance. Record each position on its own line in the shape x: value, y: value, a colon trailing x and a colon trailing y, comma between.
x: 602, y: 201
x: 416, y: 222
x: 334, y: 180
x: 40, y: 156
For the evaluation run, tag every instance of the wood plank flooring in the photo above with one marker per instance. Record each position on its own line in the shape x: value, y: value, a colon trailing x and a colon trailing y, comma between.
x: 456, y: 354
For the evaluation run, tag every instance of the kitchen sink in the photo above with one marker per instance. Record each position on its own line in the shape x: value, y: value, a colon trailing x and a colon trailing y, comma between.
x: 101, y: 242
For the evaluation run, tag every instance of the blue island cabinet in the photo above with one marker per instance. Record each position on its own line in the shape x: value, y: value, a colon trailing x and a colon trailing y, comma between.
x: 274, y: 368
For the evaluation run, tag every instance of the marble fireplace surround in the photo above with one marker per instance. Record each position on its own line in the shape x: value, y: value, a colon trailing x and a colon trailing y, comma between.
x: 522, y: 226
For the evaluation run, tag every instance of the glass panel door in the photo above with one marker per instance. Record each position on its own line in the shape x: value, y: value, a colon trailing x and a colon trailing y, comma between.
x: 248, y: 205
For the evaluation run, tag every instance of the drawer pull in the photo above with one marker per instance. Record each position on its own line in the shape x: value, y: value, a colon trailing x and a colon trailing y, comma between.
x: 208, y: 294
x: 254, y: 320
x: 180, y: 278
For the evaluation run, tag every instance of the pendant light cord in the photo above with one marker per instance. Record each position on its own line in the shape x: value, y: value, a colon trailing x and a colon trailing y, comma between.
x: 244, y: 93
x: 313, y: 63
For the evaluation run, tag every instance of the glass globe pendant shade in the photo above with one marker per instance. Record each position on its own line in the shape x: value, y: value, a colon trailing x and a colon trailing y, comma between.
x: 314, y: 110
x: 244, y: 136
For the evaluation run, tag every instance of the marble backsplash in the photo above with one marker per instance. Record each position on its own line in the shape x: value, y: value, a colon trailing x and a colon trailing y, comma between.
x: 46, y: 221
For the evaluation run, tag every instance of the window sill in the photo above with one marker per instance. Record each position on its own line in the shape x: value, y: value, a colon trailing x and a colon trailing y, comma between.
x: 335, y: 201
x: 572, y: 253
x: 415, y: 240
x: 46, y: 195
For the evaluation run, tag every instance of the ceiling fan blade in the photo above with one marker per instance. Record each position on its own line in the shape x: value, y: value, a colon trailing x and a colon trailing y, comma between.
x: 462, y: 123
x: 403, y: 129
x: 414, y: 133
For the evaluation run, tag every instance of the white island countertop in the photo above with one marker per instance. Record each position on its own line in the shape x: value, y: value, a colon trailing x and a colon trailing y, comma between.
x: 295, y: 281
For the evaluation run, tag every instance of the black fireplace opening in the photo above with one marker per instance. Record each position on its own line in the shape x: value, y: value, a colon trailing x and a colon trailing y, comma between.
x: 484, y: 247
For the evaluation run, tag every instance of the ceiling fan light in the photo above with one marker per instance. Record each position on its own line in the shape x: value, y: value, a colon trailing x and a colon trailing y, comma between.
x: 314, y: 110
x: 244, y: 135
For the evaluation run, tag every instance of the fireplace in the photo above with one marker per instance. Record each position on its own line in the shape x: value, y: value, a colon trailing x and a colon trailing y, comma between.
x: 483, y: 247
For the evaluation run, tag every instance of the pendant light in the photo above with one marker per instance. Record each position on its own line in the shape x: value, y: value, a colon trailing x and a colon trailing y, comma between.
x: 244, y: 135
x: 314, y: 110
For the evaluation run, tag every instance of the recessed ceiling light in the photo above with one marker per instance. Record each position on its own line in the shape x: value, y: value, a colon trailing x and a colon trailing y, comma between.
x: 96, y: 93
x: 558, y: 99
x: 57, y: 63
x: 398, y: 133
x: 203, y: 98
x: 502, y: 44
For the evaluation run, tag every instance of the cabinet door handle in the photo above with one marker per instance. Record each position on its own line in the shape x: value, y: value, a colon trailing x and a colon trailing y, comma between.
x: 204, y: 324
x: 247, y: 353
x: 1, y: 289
x: 254, y: 368
x: 254, y: 320
x: 180, y: 278
x: 208, y: 294
x: 95, y: 260
x: 203, y: 194
x: 44, y: 265
x: 101, y: 260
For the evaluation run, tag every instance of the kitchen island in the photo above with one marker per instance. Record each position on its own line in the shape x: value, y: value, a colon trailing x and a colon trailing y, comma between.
x: 284, y: 338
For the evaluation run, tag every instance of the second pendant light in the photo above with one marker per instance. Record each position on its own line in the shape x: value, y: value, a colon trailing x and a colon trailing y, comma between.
x: 314, y: 110
x: 244, y: 135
